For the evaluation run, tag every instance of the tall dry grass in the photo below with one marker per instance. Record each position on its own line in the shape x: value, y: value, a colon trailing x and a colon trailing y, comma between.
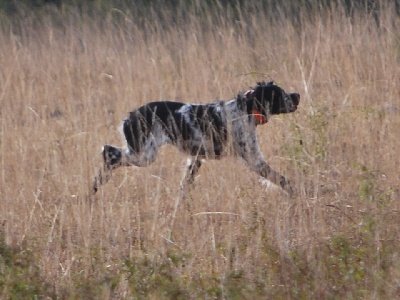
x: 66, y: 83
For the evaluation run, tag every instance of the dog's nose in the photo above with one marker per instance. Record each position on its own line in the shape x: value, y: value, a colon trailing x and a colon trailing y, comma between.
x: 295, y: 98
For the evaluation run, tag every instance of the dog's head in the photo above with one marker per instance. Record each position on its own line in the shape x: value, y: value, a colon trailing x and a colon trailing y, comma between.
x: 270, y: 99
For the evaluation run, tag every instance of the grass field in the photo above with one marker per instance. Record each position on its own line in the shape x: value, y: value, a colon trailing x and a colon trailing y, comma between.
x: 67, y: 80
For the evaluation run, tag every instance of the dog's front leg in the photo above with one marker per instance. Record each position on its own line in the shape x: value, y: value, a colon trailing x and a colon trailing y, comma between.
x: 251, y: 153
x: 264, y: 170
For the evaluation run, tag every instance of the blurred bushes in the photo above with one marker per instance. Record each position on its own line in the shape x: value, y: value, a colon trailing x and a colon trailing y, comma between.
x: 13, y: 7
x: 173, y: 13
x: 20, y: 276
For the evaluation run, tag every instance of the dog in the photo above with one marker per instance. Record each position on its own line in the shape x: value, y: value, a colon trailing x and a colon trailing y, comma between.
x: 203, y: 131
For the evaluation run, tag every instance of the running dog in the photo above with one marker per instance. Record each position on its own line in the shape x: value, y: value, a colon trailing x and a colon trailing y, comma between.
x: 203, y: 131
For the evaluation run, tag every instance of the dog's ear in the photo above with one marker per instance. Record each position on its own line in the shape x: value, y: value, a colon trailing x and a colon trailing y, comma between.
x: 261, y: 83
x: 249, y: 94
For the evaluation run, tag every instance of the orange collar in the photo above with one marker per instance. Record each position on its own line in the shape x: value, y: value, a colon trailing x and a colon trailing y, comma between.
x: 261, y: 119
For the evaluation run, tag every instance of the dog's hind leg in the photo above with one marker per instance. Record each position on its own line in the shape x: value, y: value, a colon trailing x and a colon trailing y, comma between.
x: 115, y: 157
x: 112, y: 159
x: 189, y: 174
x: 191, y: 170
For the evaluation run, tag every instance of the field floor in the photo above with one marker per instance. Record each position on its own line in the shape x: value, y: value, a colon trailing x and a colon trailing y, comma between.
x: 68, y: 79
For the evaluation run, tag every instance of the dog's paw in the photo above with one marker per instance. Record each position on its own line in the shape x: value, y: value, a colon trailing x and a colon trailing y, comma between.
x: 285, y: 185
x: 269, y: 185
x: 95, y: 185
x: 289, y: 188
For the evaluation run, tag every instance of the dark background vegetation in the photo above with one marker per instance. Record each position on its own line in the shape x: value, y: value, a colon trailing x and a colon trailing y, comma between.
x: 58, y: 12
x: 11, y: 7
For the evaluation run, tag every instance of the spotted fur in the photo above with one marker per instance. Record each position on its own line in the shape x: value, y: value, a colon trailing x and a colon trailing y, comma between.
x: 203, y: 131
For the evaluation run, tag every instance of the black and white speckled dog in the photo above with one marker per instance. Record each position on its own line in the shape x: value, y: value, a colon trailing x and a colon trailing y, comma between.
x: 208, y: 131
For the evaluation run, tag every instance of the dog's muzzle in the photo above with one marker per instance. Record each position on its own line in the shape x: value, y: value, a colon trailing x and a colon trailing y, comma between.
x: 296, y: 99
x: 291, y: 102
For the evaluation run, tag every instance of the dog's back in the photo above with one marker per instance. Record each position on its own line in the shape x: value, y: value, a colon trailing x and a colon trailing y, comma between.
x: 199, y: 130
x: 154, y: 120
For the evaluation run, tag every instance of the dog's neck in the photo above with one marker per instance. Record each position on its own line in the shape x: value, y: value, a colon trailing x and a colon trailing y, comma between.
x: 253, y: 108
